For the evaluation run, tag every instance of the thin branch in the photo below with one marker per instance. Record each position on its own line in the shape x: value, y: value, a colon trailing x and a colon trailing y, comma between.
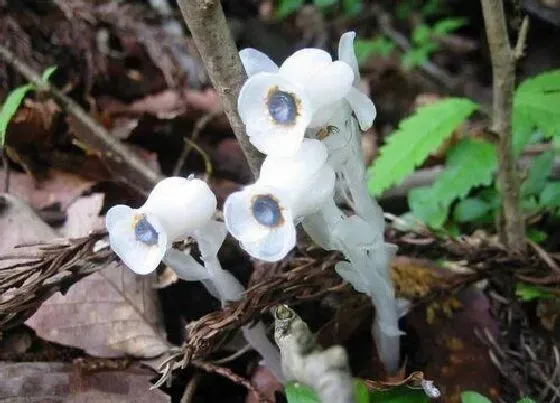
x: 522, y: 39
x: 210, y: 32
x: 131, y: 167
x: 503, y: 81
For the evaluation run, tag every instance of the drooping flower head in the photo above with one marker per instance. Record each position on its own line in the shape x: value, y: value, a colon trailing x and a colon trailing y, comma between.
x: 263, y: 216
x: 277, y: 105
x: 175, y: 208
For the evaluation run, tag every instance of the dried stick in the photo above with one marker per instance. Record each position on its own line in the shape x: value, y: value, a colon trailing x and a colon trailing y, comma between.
x: 132, y: 168
x: 210, y: 32
x: 504, y: 59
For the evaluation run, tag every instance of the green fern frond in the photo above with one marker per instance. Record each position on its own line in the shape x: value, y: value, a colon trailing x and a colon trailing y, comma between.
x: 417, y: 137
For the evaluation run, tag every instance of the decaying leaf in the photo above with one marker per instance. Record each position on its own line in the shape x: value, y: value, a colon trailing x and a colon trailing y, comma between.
x: 83, y: 216
x: 111, y: 313
x: 50, y: 381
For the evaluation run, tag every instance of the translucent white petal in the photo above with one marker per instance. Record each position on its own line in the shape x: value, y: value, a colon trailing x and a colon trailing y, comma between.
x: 239, y: 218
x: 322, y: 185
x: 363, y: 108
x: 287, y: 172
x: 117, y: 213
x: 275, y: 246
x: 227, y: 286
x: 345, y: 270
x: 347, y: 55
x: 181, y: 205
x: 329, y: 84
x: 323, y: 116
x: 139, y: 257
x: 274, y: 110
x: 301, y: 65
x: 210, y: 238
x: 277, y: 143
x: 185, y: 265
x: 255, y: 62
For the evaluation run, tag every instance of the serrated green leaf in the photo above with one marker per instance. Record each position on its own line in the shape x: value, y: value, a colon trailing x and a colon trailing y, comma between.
x: 470, y: 163
x: 536, y: 105
x: 287, y: 7
x: 538, y: 172
x: 10, y: 107
x: 416, y: 137
x: 473, y: 397
x: 528, y: 292
x: 469, y: 210
x: 550, y: 196
x: 352, y: 7
x: 46, y: 76
x: 426, y: 207
x: 448, y: 25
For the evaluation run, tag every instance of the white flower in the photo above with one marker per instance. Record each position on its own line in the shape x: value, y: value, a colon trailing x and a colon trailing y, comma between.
x: 260, y: 218
x: 278, y: 104
x: 263, y: 216
x: 175, y: 209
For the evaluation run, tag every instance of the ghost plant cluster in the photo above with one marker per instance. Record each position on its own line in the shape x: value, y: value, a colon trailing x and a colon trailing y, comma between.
x: 306, y: 116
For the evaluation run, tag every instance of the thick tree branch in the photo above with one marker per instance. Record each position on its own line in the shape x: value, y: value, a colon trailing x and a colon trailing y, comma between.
x: 210, y: 32
x: 128, y: 164
x: 503, y: 80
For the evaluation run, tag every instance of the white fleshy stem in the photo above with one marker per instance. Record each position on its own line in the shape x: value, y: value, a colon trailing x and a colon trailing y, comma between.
x: 224, y: 286
x: 366, y: 270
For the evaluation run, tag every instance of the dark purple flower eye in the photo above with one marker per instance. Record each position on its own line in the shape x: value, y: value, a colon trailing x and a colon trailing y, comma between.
x: 266, y: 211
x: 145, y: 232
x: 282, y: 107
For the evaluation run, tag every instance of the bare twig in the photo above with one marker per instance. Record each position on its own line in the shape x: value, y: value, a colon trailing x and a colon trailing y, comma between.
x: 522, y: 38
x: 188, y: 395
x: 210, y: 32
x: 6, y: 165
x: 94, y: 135
x: 503, y: 80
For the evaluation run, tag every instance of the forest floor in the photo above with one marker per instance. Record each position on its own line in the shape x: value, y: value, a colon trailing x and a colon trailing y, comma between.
x: 467, y: 329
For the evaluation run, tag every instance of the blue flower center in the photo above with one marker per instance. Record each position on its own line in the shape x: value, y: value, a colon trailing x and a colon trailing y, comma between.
x: 266, y: 211
x: 145, y: 232
x: 282, y: 106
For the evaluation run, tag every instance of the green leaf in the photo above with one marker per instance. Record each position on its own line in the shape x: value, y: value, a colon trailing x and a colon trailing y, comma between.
x: 426, y: 208
x: 473, y: 397
x: 538, y: 172
x: 414, y: 58
x: 448, y: 25
x: 526, y: 400
x: 367, y: 48
x: 528, y: 292
x: 325, y: 3
x: 536, y: 105
x: 550, y: 196
x: 10, y: 107
x: 287, y: 7
x: 352, y: 7
x: 422, y: 34
x: 536, y: 236
x: 416, y: 137
x: 46, y: 76
x: 470, y: 163
x: 469, y: 210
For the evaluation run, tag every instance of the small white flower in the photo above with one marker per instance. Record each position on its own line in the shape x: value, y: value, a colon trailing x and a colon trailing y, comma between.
x: 263, y: 216
x: 175, y: 209
x: 277, y: 105
x: 259, y: 217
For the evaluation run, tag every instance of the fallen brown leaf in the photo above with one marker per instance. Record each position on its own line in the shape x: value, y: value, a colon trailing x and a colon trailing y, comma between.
x: 83, y: 216
x: 51, y: 381
x: 59, y: 187
x: 110, y: 313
